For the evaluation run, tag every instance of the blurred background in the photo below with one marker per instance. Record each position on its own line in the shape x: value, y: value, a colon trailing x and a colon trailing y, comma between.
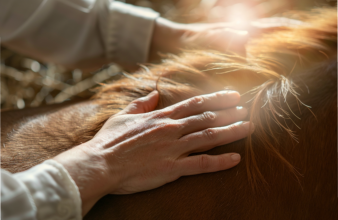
x: 26, y: 82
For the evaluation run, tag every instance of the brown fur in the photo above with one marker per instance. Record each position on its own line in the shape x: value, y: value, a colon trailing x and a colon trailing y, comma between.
x: 280, y: 69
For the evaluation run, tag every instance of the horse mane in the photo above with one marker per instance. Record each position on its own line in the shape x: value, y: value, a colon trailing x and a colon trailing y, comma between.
x: 265, y: 78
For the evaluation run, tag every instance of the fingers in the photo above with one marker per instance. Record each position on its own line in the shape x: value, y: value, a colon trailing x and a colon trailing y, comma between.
x: 207, y: 163
x: 207, y: 139
x: 198, y: 104
x: 213, y: 137
x: 212, y: 119
x: 219, y: 36
x: 142, y: 105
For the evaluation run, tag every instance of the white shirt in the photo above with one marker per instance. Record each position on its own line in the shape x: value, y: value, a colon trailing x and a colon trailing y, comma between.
x: 66, y: 32
x: 77, y: 32
x: 45, y: 192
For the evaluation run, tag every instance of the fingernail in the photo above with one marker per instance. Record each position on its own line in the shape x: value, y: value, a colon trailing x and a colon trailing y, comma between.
x: 235, y: 157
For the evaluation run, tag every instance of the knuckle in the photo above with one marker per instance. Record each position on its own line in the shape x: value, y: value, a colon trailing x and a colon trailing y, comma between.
x: 137, y: 102
x: 168, y: 166
x: 235, y: 130
x: 210, y: 134
x: 180, y: 126
x: 196, y: 101
x: 168, y: 126
x: 204, y: 162
x: 219, y: 94
x: 209, y: 116
x: 159, y: 114
x: 185, y: 124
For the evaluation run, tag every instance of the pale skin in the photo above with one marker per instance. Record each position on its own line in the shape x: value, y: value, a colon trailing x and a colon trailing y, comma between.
x: 170, y: 37
x: 226, y: 37
x: 140, y: 149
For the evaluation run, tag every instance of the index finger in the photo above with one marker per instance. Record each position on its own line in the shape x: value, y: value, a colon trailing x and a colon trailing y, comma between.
x: 199, y: 104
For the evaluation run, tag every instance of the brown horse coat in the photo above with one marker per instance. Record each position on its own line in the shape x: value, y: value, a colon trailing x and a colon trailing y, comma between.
x: 289, y: 168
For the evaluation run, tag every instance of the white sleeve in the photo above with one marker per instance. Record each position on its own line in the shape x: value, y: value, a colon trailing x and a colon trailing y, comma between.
x: 72, y: 32
x: 44, y: 192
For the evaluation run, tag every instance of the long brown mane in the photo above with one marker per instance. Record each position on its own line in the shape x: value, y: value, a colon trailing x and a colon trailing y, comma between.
x: 267, y: 78
x: 289, y: 83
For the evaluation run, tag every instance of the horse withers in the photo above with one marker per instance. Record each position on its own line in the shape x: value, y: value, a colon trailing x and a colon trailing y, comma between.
x: 289, y: 165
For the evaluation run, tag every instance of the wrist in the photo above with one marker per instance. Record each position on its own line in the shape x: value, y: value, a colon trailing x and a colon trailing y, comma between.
x: 166, y: 38
x: 89, y: 171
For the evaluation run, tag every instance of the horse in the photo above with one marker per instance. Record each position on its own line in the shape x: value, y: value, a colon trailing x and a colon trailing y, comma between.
x: 288, y: 81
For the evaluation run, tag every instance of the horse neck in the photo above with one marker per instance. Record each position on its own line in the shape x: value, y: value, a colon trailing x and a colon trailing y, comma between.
x: 38, y: 134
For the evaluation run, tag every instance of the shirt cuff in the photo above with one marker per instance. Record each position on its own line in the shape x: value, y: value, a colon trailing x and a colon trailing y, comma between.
x: 53, y: 191
x: 129, y: 32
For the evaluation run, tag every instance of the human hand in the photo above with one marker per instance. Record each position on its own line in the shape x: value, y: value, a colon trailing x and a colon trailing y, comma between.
x: 138, y: 150
x: 226, y: 37
x: 170, y: 37
x: 235, y: 10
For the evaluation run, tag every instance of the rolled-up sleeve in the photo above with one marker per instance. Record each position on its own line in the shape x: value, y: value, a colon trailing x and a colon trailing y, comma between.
x: 70, y: 32
x: 44, y: 192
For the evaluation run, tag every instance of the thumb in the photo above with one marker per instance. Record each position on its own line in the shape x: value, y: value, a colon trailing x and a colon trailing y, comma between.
x: 142, y: 105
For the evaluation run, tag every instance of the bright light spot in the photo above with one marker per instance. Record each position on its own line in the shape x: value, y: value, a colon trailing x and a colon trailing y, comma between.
x: 77, y: 75
x: 207, y: 3
x: 242, y: 32
x: 20, y: 103
x: 35, y: 66
x: 239, y: 13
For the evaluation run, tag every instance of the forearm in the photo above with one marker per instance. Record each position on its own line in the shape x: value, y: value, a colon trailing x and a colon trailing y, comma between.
x: 91, y: 180
x: 166, y: 38
x: 170, y: 37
